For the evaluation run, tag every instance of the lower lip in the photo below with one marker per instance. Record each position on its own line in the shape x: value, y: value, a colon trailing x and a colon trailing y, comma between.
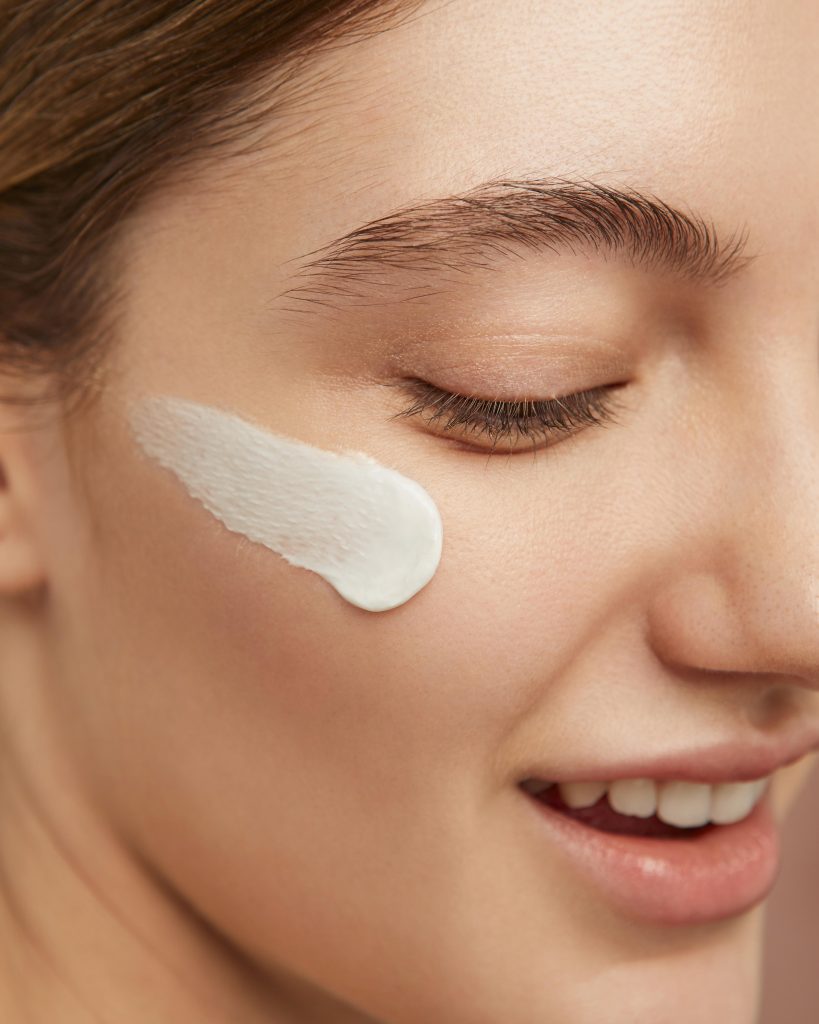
x: 717, y: 874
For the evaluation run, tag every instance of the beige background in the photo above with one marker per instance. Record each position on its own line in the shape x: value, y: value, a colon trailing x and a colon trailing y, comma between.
x: 791, y: 977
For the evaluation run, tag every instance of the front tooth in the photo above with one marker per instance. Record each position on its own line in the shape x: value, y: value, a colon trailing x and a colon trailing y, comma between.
x: 761, y: 785
x: 637, y: 797
x: 732, y: 801
x: 684, y: 804
x: 581, y: 794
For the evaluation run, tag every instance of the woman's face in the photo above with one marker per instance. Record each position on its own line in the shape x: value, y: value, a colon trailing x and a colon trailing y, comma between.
x: 336, y: 790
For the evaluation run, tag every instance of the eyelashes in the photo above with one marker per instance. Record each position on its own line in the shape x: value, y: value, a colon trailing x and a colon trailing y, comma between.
x: 494, y: 420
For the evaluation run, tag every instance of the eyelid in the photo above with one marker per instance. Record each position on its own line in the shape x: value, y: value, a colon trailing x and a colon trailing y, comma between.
x: 565, y: 365
x: 497, y: 418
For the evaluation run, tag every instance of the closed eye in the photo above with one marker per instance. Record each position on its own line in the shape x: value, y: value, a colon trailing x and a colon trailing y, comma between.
x: 493, y: 420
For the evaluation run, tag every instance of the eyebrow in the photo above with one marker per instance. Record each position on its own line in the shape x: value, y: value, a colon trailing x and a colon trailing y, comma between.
x: 502, y: 219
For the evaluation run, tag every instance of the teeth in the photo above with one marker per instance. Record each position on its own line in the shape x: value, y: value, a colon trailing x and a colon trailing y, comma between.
x: 637, y: 797
x: 683, y: 804
x: 732, y: 801
x: 582, y: 794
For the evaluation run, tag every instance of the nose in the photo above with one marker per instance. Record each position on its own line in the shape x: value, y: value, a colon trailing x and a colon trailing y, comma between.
x: 744, y: 595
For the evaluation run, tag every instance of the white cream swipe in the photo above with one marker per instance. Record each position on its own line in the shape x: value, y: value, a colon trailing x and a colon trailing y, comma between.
x: 372, y: 533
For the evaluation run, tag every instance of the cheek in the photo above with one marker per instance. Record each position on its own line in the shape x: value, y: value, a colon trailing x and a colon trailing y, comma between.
x: 228, y: 629
x: 234, y: 644
x: 247, y: 725
x: 792, y: 780
x: 372, y: 533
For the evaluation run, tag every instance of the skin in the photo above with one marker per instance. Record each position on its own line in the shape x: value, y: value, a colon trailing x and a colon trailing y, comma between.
x: 226, y: 793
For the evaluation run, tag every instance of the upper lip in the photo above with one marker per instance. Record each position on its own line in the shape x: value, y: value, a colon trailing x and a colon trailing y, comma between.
x: 734, y: 760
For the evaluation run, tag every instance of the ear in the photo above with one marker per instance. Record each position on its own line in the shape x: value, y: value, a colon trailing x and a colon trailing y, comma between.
x: 22, y: 566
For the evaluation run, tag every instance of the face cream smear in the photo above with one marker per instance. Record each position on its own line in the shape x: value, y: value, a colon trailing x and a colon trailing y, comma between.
x: 372, y: 533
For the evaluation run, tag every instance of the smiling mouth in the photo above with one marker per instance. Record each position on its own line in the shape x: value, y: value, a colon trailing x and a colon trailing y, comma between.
x: 602, y: 816
x: 649, y: 868
x: 664, y: 810
x: 685, y: 838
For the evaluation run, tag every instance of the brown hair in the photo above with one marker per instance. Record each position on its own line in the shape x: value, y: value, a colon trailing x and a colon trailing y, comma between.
x: 103, y: 101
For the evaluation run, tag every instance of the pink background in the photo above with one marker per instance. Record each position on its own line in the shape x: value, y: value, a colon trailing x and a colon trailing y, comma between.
x: 791, y: 972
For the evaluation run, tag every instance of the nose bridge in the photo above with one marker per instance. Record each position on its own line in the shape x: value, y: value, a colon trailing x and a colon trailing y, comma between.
x: 749, y: 600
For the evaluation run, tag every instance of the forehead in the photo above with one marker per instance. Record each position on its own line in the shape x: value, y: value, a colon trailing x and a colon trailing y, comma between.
x: 709, y: 107
x: 714, y: 105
